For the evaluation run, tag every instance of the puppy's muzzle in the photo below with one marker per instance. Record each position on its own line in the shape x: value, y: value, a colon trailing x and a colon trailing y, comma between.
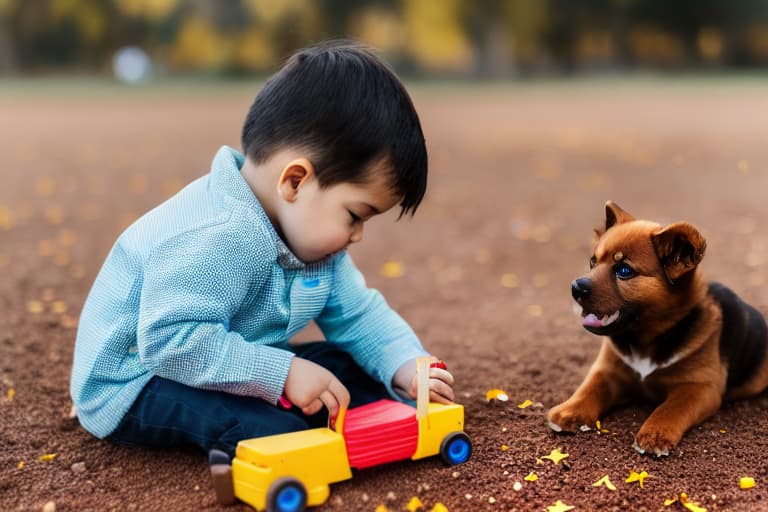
x: 581, y: 288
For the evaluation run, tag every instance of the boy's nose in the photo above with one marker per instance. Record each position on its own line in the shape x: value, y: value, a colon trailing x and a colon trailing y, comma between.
x: 357, y: 234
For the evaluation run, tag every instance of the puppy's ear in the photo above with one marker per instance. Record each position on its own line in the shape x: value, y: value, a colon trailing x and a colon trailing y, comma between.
x: 680, y: 249
x: 615, y: 215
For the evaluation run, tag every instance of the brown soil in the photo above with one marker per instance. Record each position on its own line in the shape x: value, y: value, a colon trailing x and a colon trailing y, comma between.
x: 519, y: 178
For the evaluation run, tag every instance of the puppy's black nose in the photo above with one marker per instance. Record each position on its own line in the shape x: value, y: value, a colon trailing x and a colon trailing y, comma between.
x: 581, y: 288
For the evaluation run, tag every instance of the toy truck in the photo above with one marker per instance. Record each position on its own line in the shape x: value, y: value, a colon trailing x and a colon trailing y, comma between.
x: 288, y: 472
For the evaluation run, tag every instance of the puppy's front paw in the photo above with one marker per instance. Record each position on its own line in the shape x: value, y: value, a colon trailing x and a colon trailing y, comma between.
x: 570, y: 417
x: 655, y: 441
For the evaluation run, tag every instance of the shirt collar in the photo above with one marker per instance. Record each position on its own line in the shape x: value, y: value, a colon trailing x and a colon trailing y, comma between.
x: 226, y: 177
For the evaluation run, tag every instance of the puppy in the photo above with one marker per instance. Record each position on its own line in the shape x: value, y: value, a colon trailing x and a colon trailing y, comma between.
x: 668, y: 336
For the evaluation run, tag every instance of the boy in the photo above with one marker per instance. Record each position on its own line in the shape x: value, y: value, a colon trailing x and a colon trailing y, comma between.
x: 184, y: 335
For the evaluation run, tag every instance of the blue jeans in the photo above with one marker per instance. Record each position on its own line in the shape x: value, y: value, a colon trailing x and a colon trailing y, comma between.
x: 168, y: 413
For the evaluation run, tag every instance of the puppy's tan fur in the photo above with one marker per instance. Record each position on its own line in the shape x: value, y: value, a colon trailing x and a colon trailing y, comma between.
x: 677, y: 340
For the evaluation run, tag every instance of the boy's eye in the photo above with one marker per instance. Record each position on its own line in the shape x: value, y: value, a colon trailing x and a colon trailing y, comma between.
x: 355, y: 217
x: 624, y: 271
x: 592, y: 262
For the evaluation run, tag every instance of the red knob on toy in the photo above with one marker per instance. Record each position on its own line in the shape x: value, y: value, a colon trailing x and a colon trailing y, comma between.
x: 438, y: 364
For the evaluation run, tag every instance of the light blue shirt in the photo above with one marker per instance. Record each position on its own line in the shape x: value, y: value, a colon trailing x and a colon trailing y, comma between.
x: 201, y: 290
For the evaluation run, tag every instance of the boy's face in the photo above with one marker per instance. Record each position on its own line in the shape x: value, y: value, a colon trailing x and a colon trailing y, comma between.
x: 318, y: 222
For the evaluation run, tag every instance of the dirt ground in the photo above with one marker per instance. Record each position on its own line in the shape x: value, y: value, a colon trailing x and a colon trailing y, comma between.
x: 519, y: 176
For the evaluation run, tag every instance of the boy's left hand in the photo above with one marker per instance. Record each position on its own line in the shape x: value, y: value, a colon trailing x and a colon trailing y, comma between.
x: 440, y: 382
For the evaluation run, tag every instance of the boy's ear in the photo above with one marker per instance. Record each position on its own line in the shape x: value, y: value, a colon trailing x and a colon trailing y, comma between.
x: 293, y: 176
x: 680, y: 248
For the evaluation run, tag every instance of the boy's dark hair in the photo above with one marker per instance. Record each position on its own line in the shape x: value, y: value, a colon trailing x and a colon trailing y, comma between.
x: 348, y: 109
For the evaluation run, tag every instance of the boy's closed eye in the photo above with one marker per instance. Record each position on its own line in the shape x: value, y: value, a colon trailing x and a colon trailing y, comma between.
x: 355, y: 217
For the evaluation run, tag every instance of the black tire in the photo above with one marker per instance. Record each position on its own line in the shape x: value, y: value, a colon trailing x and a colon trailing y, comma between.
x: 287, y: 495
x: 456, y: 448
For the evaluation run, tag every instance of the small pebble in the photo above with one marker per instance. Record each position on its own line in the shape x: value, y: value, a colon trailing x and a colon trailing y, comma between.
x: 517, y: 486
x: 78, y: 467
x: 49, y: 507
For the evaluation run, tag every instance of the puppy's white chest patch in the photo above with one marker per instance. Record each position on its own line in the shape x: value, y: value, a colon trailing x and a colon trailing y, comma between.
x: 644, y: 366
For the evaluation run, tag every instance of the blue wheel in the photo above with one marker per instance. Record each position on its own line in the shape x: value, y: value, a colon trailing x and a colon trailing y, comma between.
x: 456, y: 448
x: 286, y: 495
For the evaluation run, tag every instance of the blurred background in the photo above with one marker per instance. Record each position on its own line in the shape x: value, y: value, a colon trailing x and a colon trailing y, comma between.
x: 137, y: 40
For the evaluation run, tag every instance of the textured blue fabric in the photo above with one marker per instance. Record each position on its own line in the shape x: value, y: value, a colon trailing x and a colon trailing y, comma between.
x: 201, y: 290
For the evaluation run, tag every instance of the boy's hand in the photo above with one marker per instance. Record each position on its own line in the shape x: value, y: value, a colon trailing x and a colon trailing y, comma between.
x: 309, y: 386
x: 440, y: 382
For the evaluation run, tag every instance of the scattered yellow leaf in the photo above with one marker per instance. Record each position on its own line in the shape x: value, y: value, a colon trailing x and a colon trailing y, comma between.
x: 723, y: 431
x: 669, y: 501
x: 504, y: 447
x: 20, y: 465
x: 532, y: 477
x: 509, y: 281
x: 559, y: 506
x: 392, y: 269
x: 636, y: 477
x: 606, y: 482
x: 746, y: 482
x: 11, y: 393
x: 381, y: 508
x: 35, y: 307
x: 415, y: 504
x: 496, y: 394
x: 59, y: 307
x: 439, y: 507
x: 48, y: 457
x: 690, y: 505
x: 526, y: 403
x: 555, y: 456
x: 6, y: 220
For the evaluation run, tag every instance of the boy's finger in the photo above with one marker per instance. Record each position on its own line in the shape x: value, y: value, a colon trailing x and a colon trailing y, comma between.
x: 340, y: 393
x: 313, y: 408
x: 441, y: 389
x: 331, y: 403
x: 441, y: 374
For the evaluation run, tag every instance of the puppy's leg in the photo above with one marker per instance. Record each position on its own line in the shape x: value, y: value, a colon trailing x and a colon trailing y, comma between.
x: 607, y: 383
x: 686, y: 405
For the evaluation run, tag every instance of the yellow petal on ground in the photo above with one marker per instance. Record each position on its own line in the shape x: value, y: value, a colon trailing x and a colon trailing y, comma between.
x: 636, y: 477
x: 381, y: 508
x: 504, y: 447
x: 12, y: 393
x: 392, y: 269
x: 20, y: 465
x: 48, y: 457
x: 35, y: 307
x: 439, y: 507
x: 555, y: 456
x: 414, y: 505
x: 670, y: 501
x: 526, y: 403
x: 559, y: 506
x: 509, y: 281
x: 496, y: 394
x: 59, y: 307
x: 746, y: 482
x: 690, y: 505
x: 532, y: 477
x: 606, y: 482
x: 6, y: 219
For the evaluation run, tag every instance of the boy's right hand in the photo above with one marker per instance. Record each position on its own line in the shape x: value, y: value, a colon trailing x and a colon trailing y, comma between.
x: 309, y: 386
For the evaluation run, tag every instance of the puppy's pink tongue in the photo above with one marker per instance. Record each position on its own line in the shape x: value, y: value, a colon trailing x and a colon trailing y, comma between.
x: 591, y: 320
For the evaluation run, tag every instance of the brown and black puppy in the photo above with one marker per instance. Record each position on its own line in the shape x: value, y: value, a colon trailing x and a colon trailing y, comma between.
x: 669, y: 336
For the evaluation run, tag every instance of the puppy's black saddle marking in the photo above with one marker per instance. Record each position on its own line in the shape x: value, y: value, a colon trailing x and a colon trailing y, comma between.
x: 743, y: 338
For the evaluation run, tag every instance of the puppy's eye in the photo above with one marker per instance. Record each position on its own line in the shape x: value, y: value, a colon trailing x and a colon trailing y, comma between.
x: 592, y: 262
x: 624, y: 271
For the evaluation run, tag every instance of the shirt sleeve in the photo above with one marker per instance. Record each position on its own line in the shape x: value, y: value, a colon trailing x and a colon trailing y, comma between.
x: 193, y: 286
x: 360, y: 321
